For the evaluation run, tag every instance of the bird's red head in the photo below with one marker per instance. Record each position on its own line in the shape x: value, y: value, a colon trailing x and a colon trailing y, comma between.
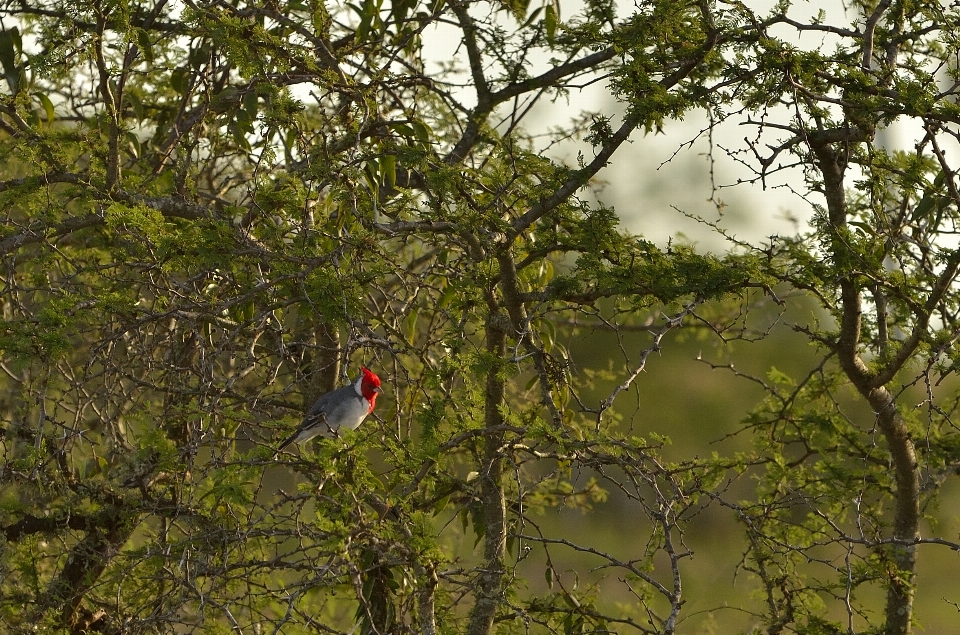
x: 369, y: 386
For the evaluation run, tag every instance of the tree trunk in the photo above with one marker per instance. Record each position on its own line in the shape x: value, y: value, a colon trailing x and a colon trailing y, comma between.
x: 490, y: 582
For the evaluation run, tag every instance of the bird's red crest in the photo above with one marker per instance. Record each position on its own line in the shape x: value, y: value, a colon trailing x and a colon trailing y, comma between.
x: 370, y: 386
x: 370, y: 377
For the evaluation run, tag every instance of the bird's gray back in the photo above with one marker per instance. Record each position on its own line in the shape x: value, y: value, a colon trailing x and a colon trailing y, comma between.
x: 342, y: 407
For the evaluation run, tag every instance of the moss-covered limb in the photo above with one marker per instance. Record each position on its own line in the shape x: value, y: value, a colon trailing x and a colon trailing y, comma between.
x: 85, y: 563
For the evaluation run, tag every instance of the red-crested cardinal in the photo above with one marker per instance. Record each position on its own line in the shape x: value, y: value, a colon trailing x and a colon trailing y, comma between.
x: 344, y: 407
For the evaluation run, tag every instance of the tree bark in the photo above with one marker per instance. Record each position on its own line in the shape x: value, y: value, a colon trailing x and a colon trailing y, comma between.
x: 490, y: 581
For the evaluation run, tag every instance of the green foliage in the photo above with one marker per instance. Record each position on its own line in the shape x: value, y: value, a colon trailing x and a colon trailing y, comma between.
x: 214, y: 213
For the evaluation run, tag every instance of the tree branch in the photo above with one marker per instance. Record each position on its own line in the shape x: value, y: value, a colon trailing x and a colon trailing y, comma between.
x: 40, y: 231
x: 869, y: 30
x: 110, y: 102
x: 631, y: 121
x: 899, y: 604
x: 521, y: 324
x: 939, y: 289
x: 485, y: 104
x: 550, y: 78
x: 29, y: 525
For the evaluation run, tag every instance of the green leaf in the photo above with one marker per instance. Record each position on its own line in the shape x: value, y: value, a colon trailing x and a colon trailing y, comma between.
x: 236, y: 130
x: 411, y: 325
x: 10, y: 45
x: 250, y: 104
x: 550, y: 21
x: 47, y: 105
x: 368, y: 14
x: 939, y: 179
x: 198, y: 56
x: 135, y: 104
x: 371, y: 174
x: 518, y: 8
x: 388, y: 169
x: 178, y: 80
x: 924, y: 206
x: 401, y: 128
x: 478, y: 521
x: 134, y: 142
x: 243, y: 312
x: 422, y: 131
x: 146, y: 47
x: 446, y: 297
x: 533, y: 16
x: 225, y: 99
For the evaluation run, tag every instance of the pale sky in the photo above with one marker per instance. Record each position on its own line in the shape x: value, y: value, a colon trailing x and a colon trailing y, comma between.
x: 644, y: 187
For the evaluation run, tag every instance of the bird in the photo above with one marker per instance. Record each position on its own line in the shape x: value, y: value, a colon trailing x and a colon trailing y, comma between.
x: 344, y: 407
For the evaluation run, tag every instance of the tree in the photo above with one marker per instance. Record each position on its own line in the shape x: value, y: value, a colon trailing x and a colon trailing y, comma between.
x: 215, y: 212
x: 881, y: 264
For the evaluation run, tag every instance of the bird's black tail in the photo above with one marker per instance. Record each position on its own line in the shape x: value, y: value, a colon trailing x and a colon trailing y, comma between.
x: 288, y: 441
